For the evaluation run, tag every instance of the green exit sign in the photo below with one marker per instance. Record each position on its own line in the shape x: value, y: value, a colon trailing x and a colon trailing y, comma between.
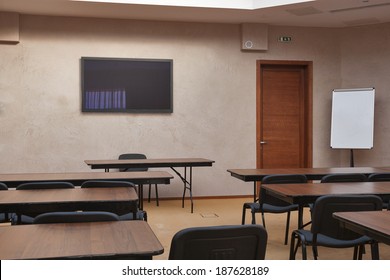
x: 285, y: 39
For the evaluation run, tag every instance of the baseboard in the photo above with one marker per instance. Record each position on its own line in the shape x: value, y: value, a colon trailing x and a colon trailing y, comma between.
x: 203, y: 197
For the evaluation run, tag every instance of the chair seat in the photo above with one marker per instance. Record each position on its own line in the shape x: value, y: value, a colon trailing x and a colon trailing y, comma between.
x: 4, y: 218
x: 327, y: 241
x: 268, y: 208
x: 24, y: 219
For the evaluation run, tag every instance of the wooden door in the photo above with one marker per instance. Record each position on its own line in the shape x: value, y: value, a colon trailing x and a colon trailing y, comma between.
x: 284, y: 114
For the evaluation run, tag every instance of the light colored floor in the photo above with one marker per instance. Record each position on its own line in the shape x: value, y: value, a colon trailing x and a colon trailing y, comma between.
x: 170, y: 217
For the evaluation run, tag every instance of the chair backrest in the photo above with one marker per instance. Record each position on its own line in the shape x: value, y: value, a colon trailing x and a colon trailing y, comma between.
x: 75, y: 217
x: 279, y: 179
x: 110, y: 184
x: 3, y: 187
x: 344, y: 177
x: 323, y: 221
x: 132, y: 156
x: 45, y: 185
x: 107, y: 184
x: 236, y: 242
x: 379, y: 177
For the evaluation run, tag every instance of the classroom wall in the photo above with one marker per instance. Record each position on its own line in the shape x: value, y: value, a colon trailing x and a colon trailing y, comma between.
x: 44, y: 130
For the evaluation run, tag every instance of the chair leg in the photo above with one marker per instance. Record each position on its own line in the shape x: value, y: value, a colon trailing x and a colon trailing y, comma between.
x: 145, y: 216
x: 292, y: 247
x: 287, y: 228
x: 254, y: 218
x: 374, y: 251
x: 315, y: 252
x: 304, y: 254
x: 356, y: 252
x: 243, y: 215
x: 262, y: 218
x: 155, y: 187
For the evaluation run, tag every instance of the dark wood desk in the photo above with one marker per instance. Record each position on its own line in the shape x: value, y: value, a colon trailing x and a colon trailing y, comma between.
x: 77, y: 178
x: 375, y: 224
x: 256, y: 175
x: 303, y: 194
x: 99, y: 240
x: 172, y: 163
x: 116, y: 200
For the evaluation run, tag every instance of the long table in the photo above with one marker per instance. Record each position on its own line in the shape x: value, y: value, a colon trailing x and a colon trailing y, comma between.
x: 375, y: 224
x: 172, y: 163
x: 32, y: 202
x: 98, y: 240
x: 256, y: 175
x: 77, y: 178
x: 303, y: 194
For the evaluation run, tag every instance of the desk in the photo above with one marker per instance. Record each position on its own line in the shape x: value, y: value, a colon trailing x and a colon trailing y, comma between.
x: 256, y: 175
x: 116, y: 200
x: 303, y: 194
x: 77, y: 178
x: 151, y: 163
x: 374, y: 224
x: 99, y: 240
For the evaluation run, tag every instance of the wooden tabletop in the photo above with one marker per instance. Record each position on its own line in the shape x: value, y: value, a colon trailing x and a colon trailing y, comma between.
x: 303, y: 194
x: 137, y: 163
x: 250, y: 175
x: 309, y: 192
x: 104, y: 240
x: 77, y: 178
x: 117, y: 200
x: 375, y: 224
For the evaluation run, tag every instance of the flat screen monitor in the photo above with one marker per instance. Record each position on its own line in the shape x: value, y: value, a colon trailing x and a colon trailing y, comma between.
x: 126, y: 85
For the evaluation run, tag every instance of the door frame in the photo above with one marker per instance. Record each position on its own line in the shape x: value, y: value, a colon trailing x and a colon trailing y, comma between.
x: 308, y: 105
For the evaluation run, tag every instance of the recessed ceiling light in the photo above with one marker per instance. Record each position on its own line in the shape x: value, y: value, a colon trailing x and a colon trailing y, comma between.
x: 222, y: 4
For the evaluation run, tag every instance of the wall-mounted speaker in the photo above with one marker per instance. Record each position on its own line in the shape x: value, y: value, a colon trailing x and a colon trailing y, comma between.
x: 254, y: 36
x: 9, y: 27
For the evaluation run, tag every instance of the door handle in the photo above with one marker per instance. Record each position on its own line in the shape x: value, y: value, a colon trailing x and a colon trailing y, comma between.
x: 263, y: 142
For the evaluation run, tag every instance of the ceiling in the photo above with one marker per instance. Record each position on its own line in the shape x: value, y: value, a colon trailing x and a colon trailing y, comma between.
x: 321, y: 13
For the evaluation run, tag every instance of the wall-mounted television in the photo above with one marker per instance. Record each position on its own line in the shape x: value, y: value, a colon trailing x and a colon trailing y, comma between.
x: 126, y: 85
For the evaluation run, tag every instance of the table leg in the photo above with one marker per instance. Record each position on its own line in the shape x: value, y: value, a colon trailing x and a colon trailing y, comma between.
x: 190, y: 188
x: 254, y: 191
x: 187, y: 185
x: 141, y: 196
x: 300, y: 216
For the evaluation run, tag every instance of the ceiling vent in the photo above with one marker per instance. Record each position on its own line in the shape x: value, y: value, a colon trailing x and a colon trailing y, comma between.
x: 359, y: 8
x: 307, y: 11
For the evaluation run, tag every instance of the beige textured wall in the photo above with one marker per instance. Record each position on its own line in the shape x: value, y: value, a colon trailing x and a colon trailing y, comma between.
x: 365, y: 63
x: 43, y: 129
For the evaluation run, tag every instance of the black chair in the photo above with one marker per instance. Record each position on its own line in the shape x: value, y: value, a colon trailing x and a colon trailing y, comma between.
x: 141, y: 215
x: 344, y: 177
x: 327, y: 231
x: 4, y: 217
x: 75, y: 217
x: 21, y: 218
x: 139, y: 156
x: 381, y: 177
x: 270, y: 204
x: 236, y: 242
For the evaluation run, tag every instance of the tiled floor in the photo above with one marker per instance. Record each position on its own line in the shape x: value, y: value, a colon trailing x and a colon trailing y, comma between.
x: 170, y: 217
